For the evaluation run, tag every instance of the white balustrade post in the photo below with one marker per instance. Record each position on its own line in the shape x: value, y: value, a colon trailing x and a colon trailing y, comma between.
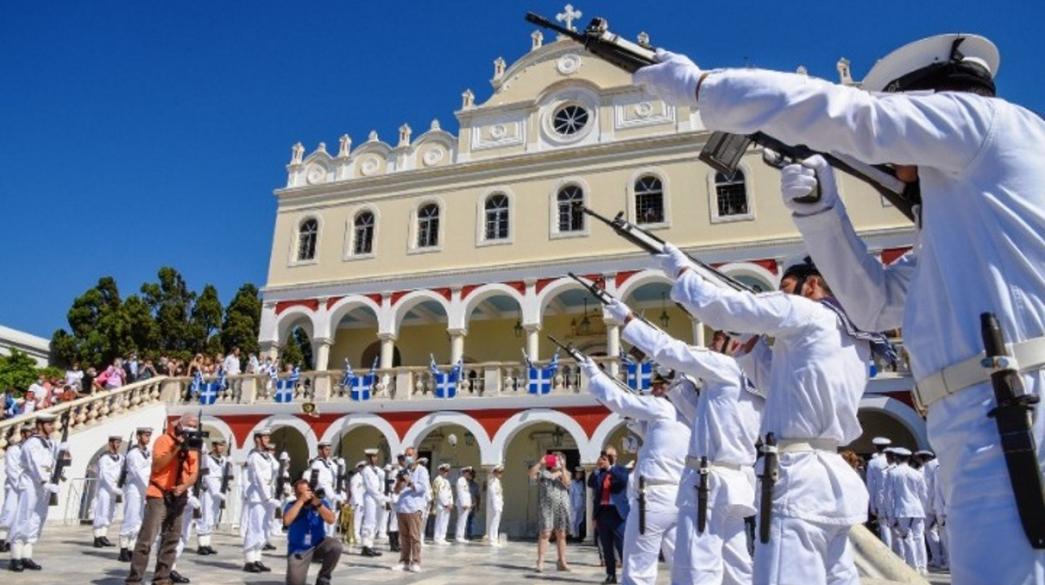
x: 612, y: 344
x: 388, y: 346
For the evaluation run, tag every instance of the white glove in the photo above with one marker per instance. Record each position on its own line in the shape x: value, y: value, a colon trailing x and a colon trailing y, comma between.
x: 63, y: 447
x: 672, y: 261
x: 194, y: 502
x: 221, y: 496
x: 274, y: 502
x: 590, y: 368
x: 51, y: 487
x: 618, y: 311
x: 800, y: 180
x: 674, y: 79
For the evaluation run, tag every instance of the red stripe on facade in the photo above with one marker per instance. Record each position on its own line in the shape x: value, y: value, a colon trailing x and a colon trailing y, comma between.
x: 321, y: 423
x: 402, y: 421
x: 903, y: 396
x: 241, y: 425
x: 543, y: 283
x: 398, y: 295
x: 623, y: 277
x: 332, y: 301
x: 769, y: 264
x: 517, y: 285
x: 890, y: 255
x: 374, y: 297
x: 589, y: 417
x: 442, y: 291
x: 312, y: 304
x: 467, y: 290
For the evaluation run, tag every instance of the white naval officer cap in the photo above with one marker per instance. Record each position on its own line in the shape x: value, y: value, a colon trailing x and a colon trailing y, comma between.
x: 370, y: 452
x: 323, y: 444
x: 881, y: 441
x: 498, y: 467
x: 466, y: 468
x: 444, y: 466
x: 116, y: 438
x: 263, y: 433
x: 361, y: 464
x: 902, y: 451
x: 925, y: 63
x: 924, y: 453
x: 422, y: 460
x: 46, y: 417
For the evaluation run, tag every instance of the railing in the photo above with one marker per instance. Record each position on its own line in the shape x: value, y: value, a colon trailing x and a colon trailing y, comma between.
x: 90, y: 410
x: 402, y: 383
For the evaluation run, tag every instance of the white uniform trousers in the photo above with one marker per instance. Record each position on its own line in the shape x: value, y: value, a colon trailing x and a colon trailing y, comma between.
x: 641, y: 551
x: 718, y: 555
x: 104, y: 509
x: 133, y: 514
x: 806, y: 553
x: 912, y: 542
x: 254, y: 526
x: 31, y: 515
x: 493, y: 525
x: 187, y: 523
x: 986, y: 540
x: 935, y: 537
x: 885, y: 532
x: 357, y: 522
x: 424, y: 523
x: 442, y: 523
x: 462, y: 524
x: 8, y: 512
x: 382, y: 522
x: 368, y: 529
x: 211, y: 506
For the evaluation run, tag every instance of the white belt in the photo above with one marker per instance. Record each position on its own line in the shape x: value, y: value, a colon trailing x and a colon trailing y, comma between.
x: 654, y: 482
x: 806, y: 445
x: 694, y: 463
x: 1028, y: 355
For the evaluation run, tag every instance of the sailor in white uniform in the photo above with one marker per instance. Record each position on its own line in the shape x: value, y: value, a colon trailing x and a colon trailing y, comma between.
x: 725, y: 416
x: 374, y: 500
x: 661, y: 458
x: 259, y: 503
x: 325, y: 468
x: 357, y: 500
x: 12, y: 475
x: 443, y: 500
x: 136, y: 481
x: 981, y: 248
x: 494, y: 505
x: 875, y: 475
x: 578, y: 506
x: 813, y: 378
x: 907, y: 493
x: 463, y: 501
x: 215, y: 467
x: 39, y: 457
x: 929, y: 468
x: 106, y: 496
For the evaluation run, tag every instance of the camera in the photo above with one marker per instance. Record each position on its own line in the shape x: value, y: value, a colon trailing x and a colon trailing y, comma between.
x: 193, y: 439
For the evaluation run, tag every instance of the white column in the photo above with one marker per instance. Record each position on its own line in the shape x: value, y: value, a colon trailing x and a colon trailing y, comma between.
x: 533, y: 341
x: 456, y: 344
x: 698, y: 333
x: 613, y: 345
x: 589, y: 507
x: 321, y: 353
x: 388, y: 342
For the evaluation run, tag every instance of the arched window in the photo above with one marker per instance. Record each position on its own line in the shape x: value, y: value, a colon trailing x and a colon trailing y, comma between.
x: 569, y: 200
x: 497, y: 217
x: 428, y: 226
x: 363, y: 238
x: 308, y: 233
x: 649, y: 200
x: 731, y: 194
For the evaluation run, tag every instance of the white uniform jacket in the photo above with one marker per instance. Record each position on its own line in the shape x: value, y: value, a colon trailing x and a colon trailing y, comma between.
x: 463, y: 493
x: 373, y: 487
x: 356, y: 487
x: 326, y: 476
x: 260, y: 478
x: 38, y: 458
x: 494, y: 496
x: 906, y: 492
x: 875, y: 481
x: 109, y: 467
x: 12, y: 466
x: 816, y: 376
x: 139, y: 469
x: 215, y: 467
x: 444, y: 495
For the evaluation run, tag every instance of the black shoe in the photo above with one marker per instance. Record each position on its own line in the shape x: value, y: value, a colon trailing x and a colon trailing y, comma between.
x: 210, y: 550
x: 106, y: 542
x: 125, y: 555
x: 268, y: 547
x: 177, y: 577
x: 16, y: 566
x: 610, y: 579
x: 31, y: 565
x: 251, y: 568
x: 262, y: 568
x: 375, y: 553
x: 98, y: 542
x: 5, y: 546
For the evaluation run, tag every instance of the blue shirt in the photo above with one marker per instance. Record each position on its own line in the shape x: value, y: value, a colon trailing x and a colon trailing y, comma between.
x: 415, y: 498
x: 307, y: 530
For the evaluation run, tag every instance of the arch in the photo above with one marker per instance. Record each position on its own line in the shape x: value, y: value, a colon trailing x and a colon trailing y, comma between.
x: 286, y: 321
x: 640, y: 280
x: 752, y: 270
x: 553, y: 289
x: 343, y: 425
x: 278, y: 421
x: 411, y: 300
x: 482, y: 293
x: 521, y: 420
x: 346, y: 305
x: 224, y: 429
x: 430, y: 422
x: 901, y: 412
x: 606, y: 428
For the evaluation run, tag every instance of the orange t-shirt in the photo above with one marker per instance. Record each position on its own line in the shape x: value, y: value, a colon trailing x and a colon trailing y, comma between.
x: 166, y: 478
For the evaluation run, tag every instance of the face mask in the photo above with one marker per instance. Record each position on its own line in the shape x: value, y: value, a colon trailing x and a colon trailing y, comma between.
x: 409, y: 460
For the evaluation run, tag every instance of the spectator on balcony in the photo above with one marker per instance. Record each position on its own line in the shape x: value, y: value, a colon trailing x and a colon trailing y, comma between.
x: 253, y: 366
x: 37, y: 391
x: 231, y: 364
x: 147, y: 371
x: 74, y: 377
x: 113, y: 377
x: 87, y: 384
x: 130, y: 368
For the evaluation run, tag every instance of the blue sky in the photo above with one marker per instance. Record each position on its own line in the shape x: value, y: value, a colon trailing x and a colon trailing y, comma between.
x: 140, y: 134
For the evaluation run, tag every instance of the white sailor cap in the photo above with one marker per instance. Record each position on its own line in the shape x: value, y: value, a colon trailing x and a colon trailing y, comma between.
x: 902, y: 451
x: 370, y: 452
x: 361, y: 464
x: 263, y: 433
x: 323, y: 444
x: 422, y: 460
x: 143, y: 430
x: 630, y: 465
x: 444, y: 466
x: 910, y: 67
x: 924, y: 453
x: 881, y: 441
x: 466, y: 468
x: 26, y: 430
x: 46, y: 417
x: 498, y: 467
x: 115, y: 438
x: 217, y: 441
x: 388, y: 467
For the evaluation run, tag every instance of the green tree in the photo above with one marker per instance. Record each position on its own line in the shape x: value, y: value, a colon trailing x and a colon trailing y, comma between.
x: 143, y: 334
x: 206, y: 321
x: 95, y: 330
x: 17, y: 371
x: 242, y: 320
x: 171, y: 302
x: 298, y: 350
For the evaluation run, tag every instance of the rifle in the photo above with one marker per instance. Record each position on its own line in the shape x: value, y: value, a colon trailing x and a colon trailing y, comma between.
x: 580, y: 357
x: 654, y: 245
x: 122, y: 480
x: 226, y: 479
x: 642, y: 505
x: 198, y: 486
x: 606, y: 298
x: 702, y: 496
x: 723, y: 152
x: 770, y: 474
x: 281, y: 480
x: 599, y: 41
x: 64, y: 459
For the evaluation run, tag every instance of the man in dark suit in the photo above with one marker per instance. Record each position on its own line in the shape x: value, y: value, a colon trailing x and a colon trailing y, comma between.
x: 609, y: 488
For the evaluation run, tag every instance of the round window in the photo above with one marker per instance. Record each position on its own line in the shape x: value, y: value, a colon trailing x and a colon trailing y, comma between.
x: 569, y: 120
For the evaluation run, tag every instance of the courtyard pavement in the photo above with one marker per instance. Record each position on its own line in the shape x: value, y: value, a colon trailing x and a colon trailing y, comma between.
x: 67, y: 557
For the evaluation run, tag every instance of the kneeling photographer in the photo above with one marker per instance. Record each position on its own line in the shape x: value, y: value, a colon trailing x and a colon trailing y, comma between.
x: 175, y: 464
x: 306, y: 537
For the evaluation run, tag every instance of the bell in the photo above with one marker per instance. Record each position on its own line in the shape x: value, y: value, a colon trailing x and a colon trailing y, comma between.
x: 310, y: 409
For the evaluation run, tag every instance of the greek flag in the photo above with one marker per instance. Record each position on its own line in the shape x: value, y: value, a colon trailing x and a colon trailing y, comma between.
x: 638, y: 375
x: 207, y: 391
x: 539, y: 379
x: 284, y: 388
x: 446, y: 382
x: 359, y: 387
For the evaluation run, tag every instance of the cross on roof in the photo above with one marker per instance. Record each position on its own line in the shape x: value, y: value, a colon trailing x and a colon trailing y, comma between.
x: 568, y: 15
